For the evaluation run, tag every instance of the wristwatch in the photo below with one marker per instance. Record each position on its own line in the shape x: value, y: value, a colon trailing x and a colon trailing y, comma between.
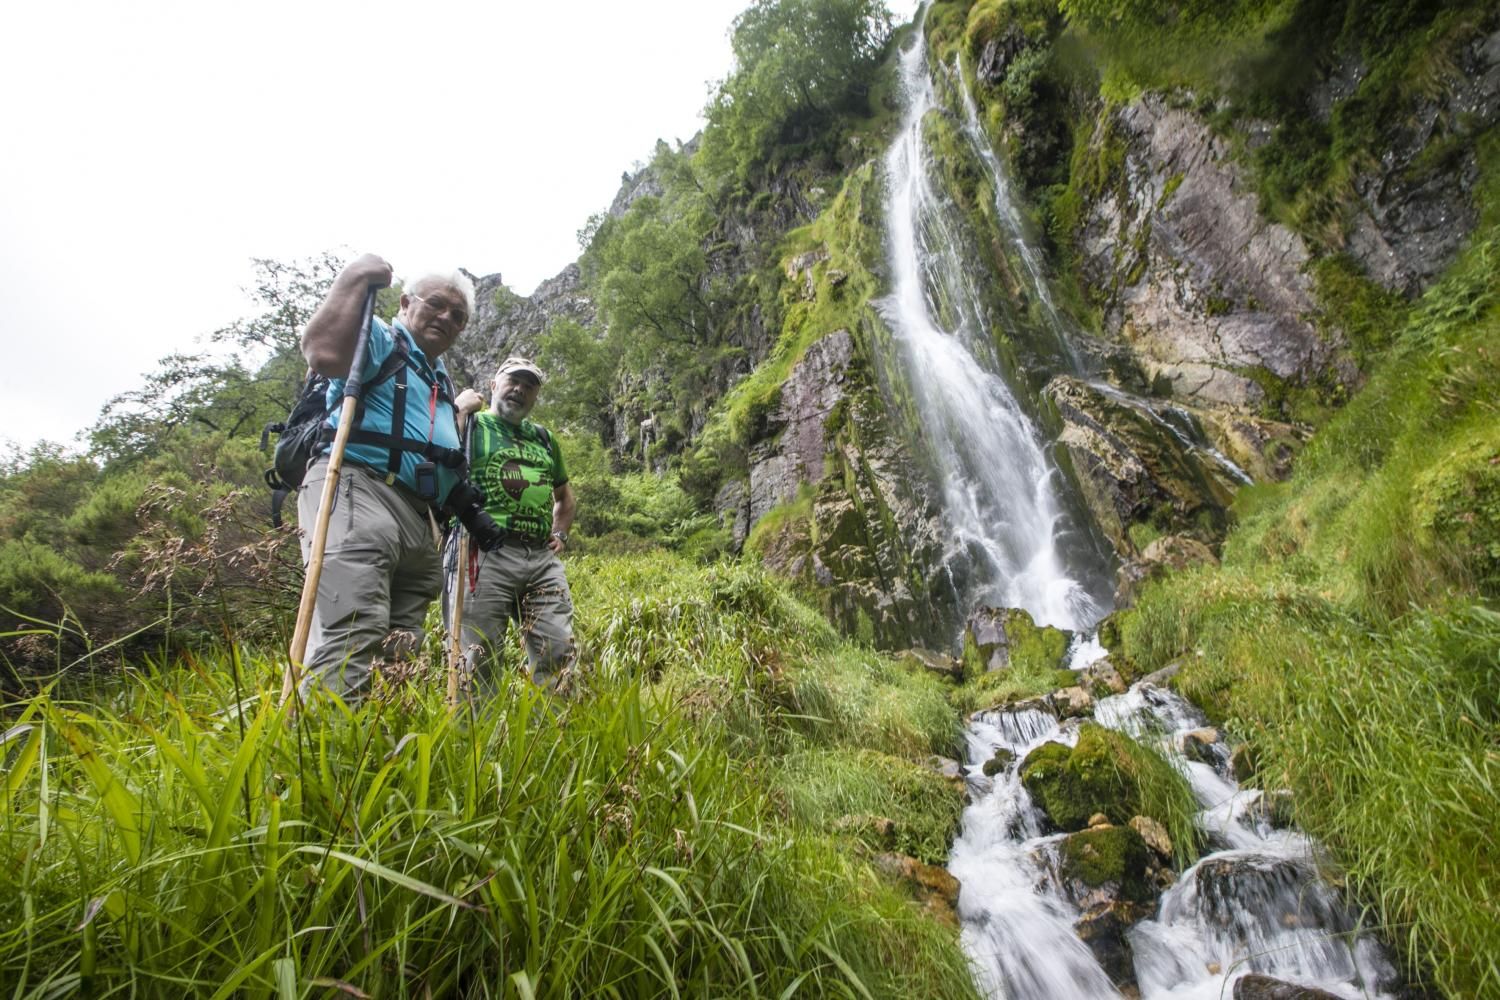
x: 561, y: 536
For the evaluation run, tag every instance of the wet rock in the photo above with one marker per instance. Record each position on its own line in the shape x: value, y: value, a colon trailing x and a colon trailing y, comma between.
x: 933, y: 887
x: 1071, y: 703
x: 1154, y: 834
x: 1244, y: 763
x: 1163, y: 677
x: 1281, y: 890
x: 1002, y: 759
x: 1201, y: 745
x: 1101, y: 679
x: 1133, y: 468
x: 1274, y: 809
x: 940, y: 664
x: 1071, y: 784
x: 1105, y: 929
x: 1001, y: 638
x: 1106, y: 865
x: 1258, y: 987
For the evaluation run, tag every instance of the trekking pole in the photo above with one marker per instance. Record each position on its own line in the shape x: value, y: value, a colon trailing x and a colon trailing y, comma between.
x: 460, y: 581
x: 352, y: 385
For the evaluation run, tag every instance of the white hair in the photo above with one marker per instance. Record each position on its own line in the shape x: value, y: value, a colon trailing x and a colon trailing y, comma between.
x: 455, y: 279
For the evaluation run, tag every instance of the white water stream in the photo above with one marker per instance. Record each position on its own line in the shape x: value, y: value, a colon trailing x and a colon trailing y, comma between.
x: 1001, y: 491
x: 1254, y: 905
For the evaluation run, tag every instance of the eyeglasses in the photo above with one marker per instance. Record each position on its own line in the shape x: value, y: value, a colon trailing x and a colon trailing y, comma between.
x: 443, y: 307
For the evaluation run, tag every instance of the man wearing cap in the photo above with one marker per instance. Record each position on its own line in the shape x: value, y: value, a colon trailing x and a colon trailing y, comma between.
x: 520, y: 467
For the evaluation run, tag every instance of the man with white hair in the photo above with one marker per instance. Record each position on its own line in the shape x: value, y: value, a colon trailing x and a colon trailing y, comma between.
x: 381, y: 568
x: 520, y: 467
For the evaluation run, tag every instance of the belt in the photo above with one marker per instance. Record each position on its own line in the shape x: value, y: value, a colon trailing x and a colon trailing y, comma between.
x: 521, y: 538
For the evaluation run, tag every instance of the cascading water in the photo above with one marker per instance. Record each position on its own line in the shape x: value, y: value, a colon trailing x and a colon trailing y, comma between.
x: 1001, y: 492
x: 1254, y: 905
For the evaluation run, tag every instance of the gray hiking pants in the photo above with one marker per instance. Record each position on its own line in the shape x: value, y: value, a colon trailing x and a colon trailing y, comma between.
x: 521, y: 582
x: 381, y: 570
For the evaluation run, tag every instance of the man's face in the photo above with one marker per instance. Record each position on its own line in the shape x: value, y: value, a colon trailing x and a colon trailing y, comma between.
x: 436, y: 314
x: 515, y: 396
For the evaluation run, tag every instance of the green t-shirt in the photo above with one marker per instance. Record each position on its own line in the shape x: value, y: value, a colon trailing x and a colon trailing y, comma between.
x: 518, y: 468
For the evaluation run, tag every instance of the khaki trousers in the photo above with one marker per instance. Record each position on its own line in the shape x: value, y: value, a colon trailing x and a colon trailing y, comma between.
x: 523, y: 583
x: 381, y: 570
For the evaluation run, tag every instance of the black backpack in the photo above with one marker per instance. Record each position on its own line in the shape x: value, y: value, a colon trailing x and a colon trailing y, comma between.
x: 305, y: 433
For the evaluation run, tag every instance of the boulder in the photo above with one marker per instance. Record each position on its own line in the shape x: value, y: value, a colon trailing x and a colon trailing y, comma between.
x: 1154, y: 834
x: 933, y: 887
x: 1071, y: 784
x: 1105, y: 929
x: 947, y: 767
x: 940, y: 664
x: 1008, y: 638
x: 1134, y: 468
x: 1203, y: 746
x: 1106, y: 865
x: 1002, y: 759
x: 1258, y: 987
x: 1101, y: 679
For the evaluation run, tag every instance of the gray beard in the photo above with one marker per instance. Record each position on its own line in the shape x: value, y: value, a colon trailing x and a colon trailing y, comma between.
x: 511, y: 413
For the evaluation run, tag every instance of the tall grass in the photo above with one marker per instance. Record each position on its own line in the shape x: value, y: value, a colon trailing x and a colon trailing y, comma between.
x: 1351, y: 633
x: 164, y: 835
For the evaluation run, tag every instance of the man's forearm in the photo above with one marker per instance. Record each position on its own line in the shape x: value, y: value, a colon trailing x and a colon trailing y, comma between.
x: 563, y: 507
x: 328, y: 341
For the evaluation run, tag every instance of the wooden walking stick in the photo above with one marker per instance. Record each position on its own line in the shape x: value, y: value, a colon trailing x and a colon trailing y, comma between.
x: 460, y: 581
x: 352, y: 386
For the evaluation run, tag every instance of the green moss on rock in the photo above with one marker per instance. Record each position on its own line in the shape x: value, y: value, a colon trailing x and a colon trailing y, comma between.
x: 1109, y: 856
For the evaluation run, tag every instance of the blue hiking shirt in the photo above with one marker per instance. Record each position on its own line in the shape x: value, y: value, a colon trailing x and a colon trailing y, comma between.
x: 421, y: 422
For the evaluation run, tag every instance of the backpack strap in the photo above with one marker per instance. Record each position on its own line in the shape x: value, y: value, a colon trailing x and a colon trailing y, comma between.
x: 395, y: 366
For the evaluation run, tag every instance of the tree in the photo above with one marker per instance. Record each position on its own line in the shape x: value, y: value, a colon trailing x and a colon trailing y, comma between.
x: 798, y: 64
x: 233, y: 394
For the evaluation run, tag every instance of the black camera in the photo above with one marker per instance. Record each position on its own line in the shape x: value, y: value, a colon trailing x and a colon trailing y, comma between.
x: 466, y: 502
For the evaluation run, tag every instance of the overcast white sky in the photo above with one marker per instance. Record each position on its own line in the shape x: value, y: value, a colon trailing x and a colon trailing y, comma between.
x: 154, y: 147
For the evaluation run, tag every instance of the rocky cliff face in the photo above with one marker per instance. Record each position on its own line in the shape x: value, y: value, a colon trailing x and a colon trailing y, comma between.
x: 861, y: 527
x: 1209, y: 295
x: 1416, y: 205
x: 505, y: 323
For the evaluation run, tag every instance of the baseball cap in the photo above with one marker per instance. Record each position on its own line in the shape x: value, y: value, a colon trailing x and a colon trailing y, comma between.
x: 512, y: 366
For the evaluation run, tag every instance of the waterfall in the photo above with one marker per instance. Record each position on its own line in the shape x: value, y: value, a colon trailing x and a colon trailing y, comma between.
x: 1256, y: 905
x: 1012, y: 538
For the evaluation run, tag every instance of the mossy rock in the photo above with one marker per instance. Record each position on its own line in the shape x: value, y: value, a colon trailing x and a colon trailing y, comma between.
x: 999, y: 762
x: 1072, y: 784
x: 1113, y: 856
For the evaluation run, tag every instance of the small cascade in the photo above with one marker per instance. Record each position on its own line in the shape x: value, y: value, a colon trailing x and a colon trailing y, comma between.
x: 1254, y: 905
